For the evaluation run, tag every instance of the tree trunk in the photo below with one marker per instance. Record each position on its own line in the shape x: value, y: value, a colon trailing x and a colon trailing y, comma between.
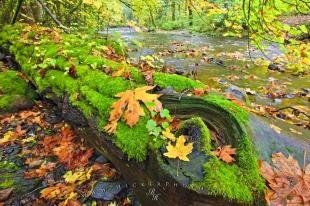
x: 190, y: 15
x: 19, y: 5
x: 173, y: 10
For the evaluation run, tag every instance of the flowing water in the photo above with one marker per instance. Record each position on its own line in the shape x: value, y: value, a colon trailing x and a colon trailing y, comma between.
x: 238, y: 70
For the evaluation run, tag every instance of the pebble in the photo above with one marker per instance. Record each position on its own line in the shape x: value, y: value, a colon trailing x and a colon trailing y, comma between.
x: 107, y: 190
x: 101, y: 159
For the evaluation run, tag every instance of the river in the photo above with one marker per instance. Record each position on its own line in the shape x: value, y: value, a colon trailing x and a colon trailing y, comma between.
x: 187, y: 52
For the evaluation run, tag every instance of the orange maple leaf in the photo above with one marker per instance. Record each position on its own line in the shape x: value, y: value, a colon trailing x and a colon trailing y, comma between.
x: 288, y: 183
x: 58, y: 191
x: 225, y: 153
x: 41, y: 171
x: 128, y: 106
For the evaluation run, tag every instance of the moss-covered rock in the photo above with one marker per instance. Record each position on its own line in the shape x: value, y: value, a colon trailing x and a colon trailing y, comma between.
x: 15, y: 93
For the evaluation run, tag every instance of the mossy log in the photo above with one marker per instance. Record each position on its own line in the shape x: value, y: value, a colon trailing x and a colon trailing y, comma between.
x: 154, y: 180
x: 85, y: 96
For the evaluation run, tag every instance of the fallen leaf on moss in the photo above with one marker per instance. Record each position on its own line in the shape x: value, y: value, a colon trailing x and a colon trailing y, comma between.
x: 122, y: 72
x: 198, y: 92
x: 148, y: 76
x: 288, y: 183
x: 168, y: 135
x: 128, y: 106
x: 180, y: 150
x: 225, y: 153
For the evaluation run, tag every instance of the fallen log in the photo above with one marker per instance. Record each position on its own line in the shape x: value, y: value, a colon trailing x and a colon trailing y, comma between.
x: 84, y: 94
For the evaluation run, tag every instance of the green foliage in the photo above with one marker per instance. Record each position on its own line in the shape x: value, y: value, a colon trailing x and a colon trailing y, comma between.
x: 152, y: 128
x: 240, y: 114
x: 7, y: 170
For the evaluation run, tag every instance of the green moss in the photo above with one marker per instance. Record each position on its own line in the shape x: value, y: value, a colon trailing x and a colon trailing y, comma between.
x: 84, y: 107
x: 240, y: 114
x: 13, y: 89
x: 240, y: 181
x: 97, y: 100
x: 134, y: 141
x: 224, y: 180
x: 178, y: 82
x: 205, y: 133
x: 103, y: 83
x: 62, y: 81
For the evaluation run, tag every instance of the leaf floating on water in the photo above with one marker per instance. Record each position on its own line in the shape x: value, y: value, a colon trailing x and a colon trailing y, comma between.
x: 276, y: 128
x: 295, y: 131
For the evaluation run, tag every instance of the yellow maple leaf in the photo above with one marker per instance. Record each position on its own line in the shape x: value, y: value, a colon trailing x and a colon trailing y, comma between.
x: 168, y: 135
x: 180, y: 150
x: 79, y: 177
x: 142, y: 95
x: 8, y: 137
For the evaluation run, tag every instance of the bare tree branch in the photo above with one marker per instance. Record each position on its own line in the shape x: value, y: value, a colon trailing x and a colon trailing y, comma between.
x: 41, y: 2
x: 19, y: 5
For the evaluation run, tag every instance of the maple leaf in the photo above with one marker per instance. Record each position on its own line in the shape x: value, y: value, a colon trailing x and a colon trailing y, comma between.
x: 58, y: 191
x: 8, y: 137
x: 180, y: 150
x: 122, y: 72
x: 148, y: 76
x: 142, y: 95
x: 199, y: 91
x: 225, y: 153
x: 168, y: 135
x: 129, y: 106
x: 288, y: 183
x: 41, y: 171
x: 80, y: 176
